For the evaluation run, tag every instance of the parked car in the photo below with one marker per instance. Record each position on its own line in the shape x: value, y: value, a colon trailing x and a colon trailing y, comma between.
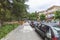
x: 34, y: 23
x: 49, y: 31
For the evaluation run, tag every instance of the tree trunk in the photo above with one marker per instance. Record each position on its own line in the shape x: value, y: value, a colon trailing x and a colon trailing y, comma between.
x: 0, y: 23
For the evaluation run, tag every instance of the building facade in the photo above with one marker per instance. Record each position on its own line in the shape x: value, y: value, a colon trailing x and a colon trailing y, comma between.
x: 49, y: 12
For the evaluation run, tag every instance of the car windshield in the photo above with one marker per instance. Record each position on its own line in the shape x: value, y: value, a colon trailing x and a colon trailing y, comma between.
x: 58, y: 26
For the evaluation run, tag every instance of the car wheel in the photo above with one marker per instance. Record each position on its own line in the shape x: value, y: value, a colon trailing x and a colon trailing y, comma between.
x: 45, y: 38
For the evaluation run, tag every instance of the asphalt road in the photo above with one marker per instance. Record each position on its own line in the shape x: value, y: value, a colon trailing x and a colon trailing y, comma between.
x: 24, y: 32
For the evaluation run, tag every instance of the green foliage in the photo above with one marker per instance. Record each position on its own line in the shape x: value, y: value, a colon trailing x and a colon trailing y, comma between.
x: 32, y: 16
x: 19, y: 8
x: 12, y: 11
x: 42, y: 17
x: 5, y: 29
x: 57, y: 15
x: 5, y: 10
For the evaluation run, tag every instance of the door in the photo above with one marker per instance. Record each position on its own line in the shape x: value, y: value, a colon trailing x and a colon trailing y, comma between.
x: 48, y: 33
x: 43, y: 30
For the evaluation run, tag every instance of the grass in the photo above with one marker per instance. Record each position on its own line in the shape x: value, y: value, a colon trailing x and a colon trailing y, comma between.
x: 4, y: 30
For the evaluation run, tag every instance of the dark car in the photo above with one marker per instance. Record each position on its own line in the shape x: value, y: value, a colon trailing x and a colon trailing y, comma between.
x: 34, y: 23
x: 49, y: 31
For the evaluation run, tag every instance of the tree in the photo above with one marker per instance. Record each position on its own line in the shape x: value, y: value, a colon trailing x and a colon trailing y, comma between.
x: 19, y: 9
x: 32, y: 16
x: 42, y: 17
x: 57, y: 15
x: 12, y: 9
x: 4, y: 10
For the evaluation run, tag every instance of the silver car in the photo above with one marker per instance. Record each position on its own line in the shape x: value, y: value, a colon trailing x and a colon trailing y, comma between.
x: 49, y: 31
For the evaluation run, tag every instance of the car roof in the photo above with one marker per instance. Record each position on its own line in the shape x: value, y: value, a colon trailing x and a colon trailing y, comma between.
x: 50, y: 24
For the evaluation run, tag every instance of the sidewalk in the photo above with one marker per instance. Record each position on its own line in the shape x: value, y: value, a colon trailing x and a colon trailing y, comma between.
x: 24, y: 32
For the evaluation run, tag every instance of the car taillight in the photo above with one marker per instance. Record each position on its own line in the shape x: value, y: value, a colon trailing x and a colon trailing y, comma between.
x: 54, y: 38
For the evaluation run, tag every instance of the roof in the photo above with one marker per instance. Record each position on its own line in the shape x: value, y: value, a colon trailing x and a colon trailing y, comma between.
x: 53, y: 7
x: 49, y: 24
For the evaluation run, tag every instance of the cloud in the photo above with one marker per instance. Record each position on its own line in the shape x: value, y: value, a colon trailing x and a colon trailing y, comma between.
x: 37, y: 5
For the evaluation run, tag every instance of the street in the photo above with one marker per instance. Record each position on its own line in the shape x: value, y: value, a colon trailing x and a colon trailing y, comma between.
x: 24, y: 32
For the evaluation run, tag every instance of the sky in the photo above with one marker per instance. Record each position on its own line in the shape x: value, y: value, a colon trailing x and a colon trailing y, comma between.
x: 39, y: 5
